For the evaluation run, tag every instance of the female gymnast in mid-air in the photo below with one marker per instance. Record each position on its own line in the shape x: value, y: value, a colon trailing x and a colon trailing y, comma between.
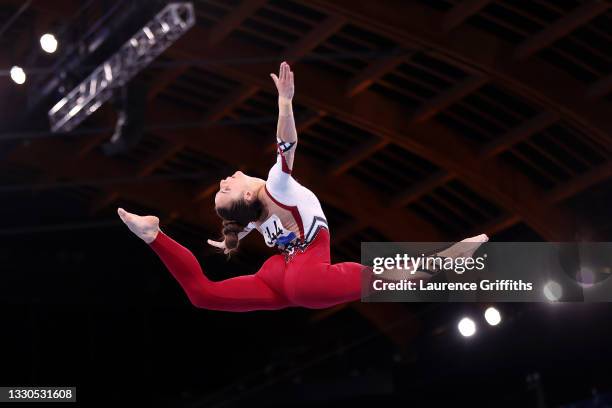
x: 290, y: 218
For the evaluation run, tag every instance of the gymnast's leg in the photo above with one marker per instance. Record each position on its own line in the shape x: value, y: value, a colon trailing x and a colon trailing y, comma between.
x: 324, y: 285
x: 312, y: 281
x: 239, y: 294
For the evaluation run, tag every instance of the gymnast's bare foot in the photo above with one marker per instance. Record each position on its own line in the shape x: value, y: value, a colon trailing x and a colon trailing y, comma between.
x: 464, y: 248
x: 145, y: 227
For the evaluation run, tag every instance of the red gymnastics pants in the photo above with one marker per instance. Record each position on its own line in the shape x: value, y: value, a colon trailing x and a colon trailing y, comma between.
x: 308, y: 279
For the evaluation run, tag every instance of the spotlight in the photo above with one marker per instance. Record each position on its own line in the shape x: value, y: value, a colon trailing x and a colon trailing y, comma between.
x: 492, y: 316
x: 18, y: 75
x: 467, y: 327
x: 48, y: 42
x: 552, y: 291
x: 586, y: 277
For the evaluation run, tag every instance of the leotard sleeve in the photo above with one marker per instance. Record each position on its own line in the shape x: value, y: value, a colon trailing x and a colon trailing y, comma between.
x: 279, y: 176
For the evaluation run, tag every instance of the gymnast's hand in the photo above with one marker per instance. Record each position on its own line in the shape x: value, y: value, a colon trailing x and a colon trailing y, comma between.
x: 284, y: 82
x: 218, y: 244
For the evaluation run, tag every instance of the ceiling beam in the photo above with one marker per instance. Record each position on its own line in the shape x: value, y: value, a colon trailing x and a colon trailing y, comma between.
x: 427, y: 110
x: 233, y: 19
x: 580, y: 183
x: 560, y: 28
x: 229, y: 102
x: 446, y: 98
x: 372, y: 72
x: 557, y: 195
x: 316, y: 36
x: 357, y: 154
x: 416, y: 191
x: 164, y: 80
x: 497, y: 224
x: 356, y: 85
x: 518, y: 134
x: 461, y: 12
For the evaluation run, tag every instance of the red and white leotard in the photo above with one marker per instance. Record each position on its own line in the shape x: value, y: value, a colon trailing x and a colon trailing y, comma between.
x: 290, y: 195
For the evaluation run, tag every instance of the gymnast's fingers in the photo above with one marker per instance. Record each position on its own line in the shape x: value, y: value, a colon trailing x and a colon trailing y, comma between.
x: 216, y: 244
x: 275, y: 79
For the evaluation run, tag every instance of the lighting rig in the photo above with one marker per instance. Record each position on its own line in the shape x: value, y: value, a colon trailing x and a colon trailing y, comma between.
x: 133, y: 56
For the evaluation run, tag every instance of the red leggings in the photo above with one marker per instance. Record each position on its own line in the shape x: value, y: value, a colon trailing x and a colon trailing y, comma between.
x: 308, y: 279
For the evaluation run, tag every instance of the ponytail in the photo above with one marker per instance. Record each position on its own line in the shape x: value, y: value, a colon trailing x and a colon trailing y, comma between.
x: 236, y: 217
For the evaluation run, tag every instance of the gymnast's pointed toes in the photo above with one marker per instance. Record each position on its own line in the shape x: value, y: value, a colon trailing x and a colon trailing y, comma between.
x: 478, y: 238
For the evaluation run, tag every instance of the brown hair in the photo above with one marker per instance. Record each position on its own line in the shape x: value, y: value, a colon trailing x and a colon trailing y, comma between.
x: 235, y: 219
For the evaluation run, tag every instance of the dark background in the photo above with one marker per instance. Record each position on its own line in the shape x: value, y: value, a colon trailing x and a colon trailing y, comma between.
x: 418, y: 121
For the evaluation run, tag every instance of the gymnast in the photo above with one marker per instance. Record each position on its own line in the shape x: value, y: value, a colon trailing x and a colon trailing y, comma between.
x: 290, y: 218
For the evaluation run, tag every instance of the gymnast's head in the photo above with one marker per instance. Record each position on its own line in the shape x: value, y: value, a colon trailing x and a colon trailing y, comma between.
x: 237, y: 204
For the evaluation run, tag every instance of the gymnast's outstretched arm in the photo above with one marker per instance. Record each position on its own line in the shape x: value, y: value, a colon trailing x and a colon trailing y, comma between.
x: 286, y: 132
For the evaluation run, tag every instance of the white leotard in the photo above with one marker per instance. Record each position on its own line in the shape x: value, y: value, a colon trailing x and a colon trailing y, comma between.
x: 303, y: 204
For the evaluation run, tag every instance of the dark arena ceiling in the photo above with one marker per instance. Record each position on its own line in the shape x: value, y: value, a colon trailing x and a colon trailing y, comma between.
x: 425, y: 120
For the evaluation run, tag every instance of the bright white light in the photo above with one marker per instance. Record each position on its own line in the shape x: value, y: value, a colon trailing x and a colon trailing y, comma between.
x: 585, y: 277
x: 48, y: 43
x: 492, y: 316
x: 18, y: 75
x: 466, y: 327
x: 552, y: 291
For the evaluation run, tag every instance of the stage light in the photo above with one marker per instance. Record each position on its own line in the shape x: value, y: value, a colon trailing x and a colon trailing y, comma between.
x: 466, y: 327
x: 552, y: 291
x: 586, y: 277
x: 492, y: 316
x: 18, y: 75
x: 48, y: 43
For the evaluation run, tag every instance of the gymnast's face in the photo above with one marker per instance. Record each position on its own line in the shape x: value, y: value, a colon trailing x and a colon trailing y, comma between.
x: 233, y: 188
